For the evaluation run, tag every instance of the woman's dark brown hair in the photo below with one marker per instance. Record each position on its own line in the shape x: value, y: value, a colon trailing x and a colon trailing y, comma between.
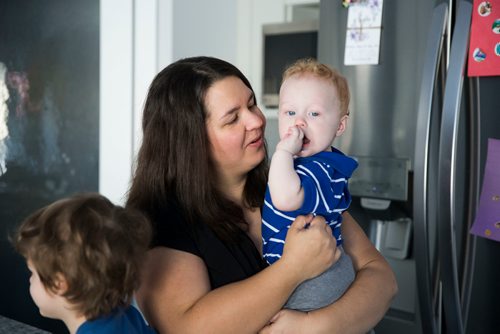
x: 174, y: 162
x: 96, y: 246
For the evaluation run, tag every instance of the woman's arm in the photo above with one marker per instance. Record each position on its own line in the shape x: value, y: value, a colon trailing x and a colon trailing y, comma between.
x: 175, y: 293
x: 364, y: 303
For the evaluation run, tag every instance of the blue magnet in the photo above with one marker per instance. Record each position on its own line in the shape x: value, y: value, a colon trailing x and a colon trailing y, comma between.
x: 479, y: 55
x: 496, y: 26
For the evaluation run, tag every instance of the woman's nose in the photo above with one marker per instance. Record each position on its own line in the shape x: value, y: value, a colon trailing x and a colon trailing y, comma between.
x: 255, y: 120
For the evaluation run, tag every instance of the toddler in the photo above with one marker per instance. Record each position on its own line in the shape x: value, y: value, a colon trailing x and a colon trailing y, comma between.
x: 84, y: 254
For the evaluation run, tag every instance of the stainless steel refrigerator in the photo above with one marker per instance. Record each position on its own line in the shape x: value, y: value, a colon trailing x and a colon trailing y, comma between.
x: 419, y: 129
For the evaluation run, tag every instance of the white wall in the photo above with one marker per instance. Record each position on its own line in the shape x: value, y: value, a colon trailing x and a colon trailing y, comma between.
x: 131, y: 53
x: 116, y: 97
x: 204, y: 28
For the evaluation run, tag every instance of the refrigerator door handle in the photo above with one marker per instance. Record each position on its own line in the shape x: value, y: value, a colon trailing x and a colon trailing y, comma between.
x: 433, y: 61
x: 447, y: 170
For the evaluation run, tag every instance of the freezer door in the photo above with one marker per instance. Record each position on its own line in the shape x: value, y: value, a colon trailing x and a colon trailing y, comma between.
x: 455, y: 158
x: 425, y: 176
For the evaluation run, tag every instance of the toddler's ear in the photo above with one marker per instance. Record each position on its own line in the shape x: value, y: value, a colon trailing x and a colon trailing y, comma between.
x: 342, y: 125
x: 61, y: 284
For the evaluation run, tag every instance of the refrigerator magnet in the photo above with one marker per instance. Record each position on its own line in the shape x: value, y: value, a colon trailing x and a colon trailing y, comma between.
x: 496, y: 26
x: 478, y: 55
x: 484, y: 8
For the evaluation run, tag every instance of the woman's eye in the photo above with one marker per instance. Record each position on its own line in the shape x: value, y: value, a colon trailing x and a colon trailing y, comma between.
x: 233, y: 120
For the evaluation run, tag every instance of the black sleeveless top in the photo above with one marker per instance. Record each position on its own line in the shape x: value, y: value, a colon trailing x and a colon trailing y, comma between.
x: 226, y: 262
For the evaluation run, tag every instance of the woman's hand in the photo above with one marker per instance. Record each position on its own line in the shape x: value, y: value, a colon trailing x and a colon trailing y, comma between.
x: 310, y: 248
x: 287, y: 321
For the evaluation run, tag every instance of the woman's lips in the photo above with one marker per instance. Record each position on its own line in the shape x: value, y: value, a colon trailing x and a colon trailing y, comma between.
x: 257, y: 142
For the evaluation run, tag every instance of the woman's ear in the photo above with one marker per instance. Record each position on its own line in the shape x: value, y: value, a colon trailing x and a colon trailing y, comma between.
x: 342, y: 125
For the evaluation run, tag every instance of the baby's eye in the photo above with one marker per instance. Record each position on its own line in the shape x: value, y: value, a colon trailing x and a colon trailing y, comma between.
x: 290, y: 113
x: 314, y: 113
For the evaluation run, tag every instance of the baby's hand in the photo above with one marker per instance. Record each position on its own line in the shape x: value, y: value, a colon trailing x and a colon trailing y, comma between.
x: 292, y: 141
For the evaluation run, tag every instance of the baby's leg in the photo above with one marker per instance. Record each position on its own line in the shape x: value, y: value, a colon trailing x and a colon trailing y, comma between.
x: 324, y: 289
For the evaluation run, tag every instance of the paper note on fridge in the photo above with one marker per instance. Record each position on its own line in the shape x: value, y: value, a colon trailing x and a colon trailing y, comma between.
x: 364, y: 25
x: 487, y: 223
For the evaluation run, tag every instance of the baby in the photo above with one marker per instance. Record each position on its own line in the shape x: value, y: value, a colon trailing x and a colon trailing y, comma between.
x: 307, y: 175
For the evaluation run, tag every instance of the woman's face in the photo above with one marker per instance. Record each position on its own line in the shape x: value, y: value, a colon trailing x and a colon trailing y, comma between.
x: 235, y: 127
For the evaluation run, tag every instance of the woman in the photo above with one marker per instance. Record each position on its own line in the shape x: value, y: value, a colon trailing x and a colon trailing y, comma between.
x: 200, y: 177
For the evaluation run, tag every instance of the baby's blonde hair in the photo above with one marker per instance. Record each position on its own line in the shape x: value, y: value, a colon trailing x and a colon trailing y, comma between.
x: 312, y: 66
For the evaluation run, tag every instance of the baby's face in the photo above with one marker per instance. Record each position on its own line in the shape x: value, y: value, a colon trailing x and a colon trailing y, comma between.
x: 311, y: 104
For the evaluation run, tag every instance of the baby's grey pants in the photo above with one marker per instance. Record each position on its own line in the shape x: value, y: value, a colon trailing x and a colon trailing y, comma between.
x: 324, y: 289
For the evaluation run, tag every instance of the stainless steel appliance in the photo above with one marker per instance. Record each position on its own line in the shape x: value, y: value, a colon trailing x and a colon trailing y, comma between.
x: 284, y: 43
x: 419, y: 129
